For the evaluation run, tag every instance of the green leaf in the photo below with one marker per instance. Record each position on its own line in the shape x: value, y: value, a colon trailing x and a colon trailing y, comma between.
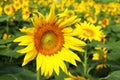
x: 7, y: 40
x: 10, y: 50
x: 113, y: 76
x: 8, y: 77
x: 4, y: 18
x: 9, y: 72
x: 115, y: 27
x: 105, y: 1
x: 10, y: 53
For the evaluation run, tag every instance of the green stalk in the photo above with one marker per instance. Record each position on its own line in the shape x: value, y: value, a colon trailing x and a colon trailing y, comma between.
x: 85, y: 64
x: 7, y: 27
x: 39, y: 74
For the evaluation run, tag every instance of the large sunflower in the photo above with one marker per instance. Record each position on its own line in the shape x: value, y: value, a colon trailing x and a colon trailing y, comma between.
x: 89, y: 31
x: 49, y: 41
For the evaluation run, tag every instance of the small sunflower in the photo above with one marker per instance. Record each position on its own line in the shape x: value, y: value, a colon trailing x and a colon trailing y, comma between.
x: 96, y: 56
x: 25, y: 14
x: 104, y: 22
x: 49, y: 41
x: 101, y: 66
x: 8, y: 9
x: 17, y: 5
x: 6, y: 36
x: 88, y: 31
x: 93, y: 20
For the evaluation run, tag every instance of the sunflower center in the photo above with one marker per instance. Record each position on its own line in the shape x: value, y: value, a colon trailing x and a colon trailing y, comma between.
x: 88, y: 33
x: 48, y: 40
x: 104, y: 21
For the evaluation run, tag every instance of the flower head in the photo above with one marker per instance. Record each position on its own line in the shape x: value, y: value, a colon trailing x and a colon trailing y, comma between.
x: 88, y: 31
x: 96, y: 56
x: 104, y: 22
x: 49, y: 40
x: 8, y: 9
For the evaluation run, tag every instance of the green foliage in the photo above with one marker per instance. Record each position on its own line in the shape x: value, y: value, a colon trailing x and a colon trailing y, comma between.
x: 9, y: 72
x: 113, y: 76
x: 4, y: 18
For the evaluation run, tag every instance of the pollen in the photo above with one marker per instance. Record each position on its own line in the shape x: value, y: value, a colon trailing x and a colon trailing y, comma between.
x: 88, y: 33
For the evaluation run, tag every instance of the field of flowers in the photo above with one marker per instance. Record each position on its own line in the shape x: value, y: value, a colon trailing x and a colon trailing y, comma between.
x: 59, y: 39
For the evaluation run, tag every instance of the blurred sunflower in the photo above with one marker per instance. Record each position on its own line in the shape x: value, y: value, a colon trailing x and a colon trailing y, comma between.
x: 96, y: 56
x: 8, y: 9
x: 92, y: 20
x: 1, y: 11
x: 6, y: 36
x: 50, y: 40
x: 25, y: 14
x: 88, y: 31
x: 104, y: 22
x: 17, y: 5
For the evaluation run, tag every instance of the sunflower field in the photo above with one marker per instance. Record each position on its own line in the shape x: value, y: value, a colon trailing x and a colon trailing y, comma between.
x: 59, y: 39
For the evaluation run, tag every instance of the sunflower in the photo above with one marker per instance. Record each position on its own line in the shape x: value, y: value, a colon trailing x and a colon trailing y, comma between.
x: 104, y: 22
x: 96, y: 56
x: 101, y: 66
x: 49, y: 41
x: 17, y: 5
x: 92, y: 19
x: 6, y: 36
x: 25, y: 14
x: 8, y: 9
x: 88, y: 31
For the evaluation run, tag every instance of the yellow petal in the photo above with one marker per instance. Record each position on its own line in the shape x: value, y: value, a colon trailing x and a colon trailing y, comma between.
x: 19, y: 39
x: 56, y: 66
x: 68, y: 22
x: 39, y: 61
x: 74, y: 41
x: 69, y: 56
x: 29, y: 31
x: 29, y: 48
x: 73, y: 55
x: 24, y: 40
x: 63, y: 66
x: 78, y: 48
x: 49, y: 66
x: 38, y: 21
x: 29, y: 56
x: 43, y: 66
x: 64, y: 13
x: 51, y: 17
x: 67, y: 30
x: 58, y: 57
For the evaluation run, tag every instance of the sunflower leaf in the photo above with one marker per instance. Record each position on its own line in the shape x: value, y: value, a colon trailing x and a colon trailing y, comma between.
x: 9, y: 72
x: 4, y: 18
x: 113, y: 76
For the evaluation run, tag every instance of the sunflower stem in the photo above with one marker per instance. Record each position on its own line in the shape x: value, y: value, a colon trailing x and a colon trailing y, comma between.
x: 39, y: 74
x: 85, y: 64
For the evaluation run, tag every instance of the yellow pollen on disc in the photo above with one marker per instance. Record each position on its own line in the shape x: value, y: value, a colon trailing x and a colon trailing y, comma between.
x: 88, y: 33
x: 48, y: 40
